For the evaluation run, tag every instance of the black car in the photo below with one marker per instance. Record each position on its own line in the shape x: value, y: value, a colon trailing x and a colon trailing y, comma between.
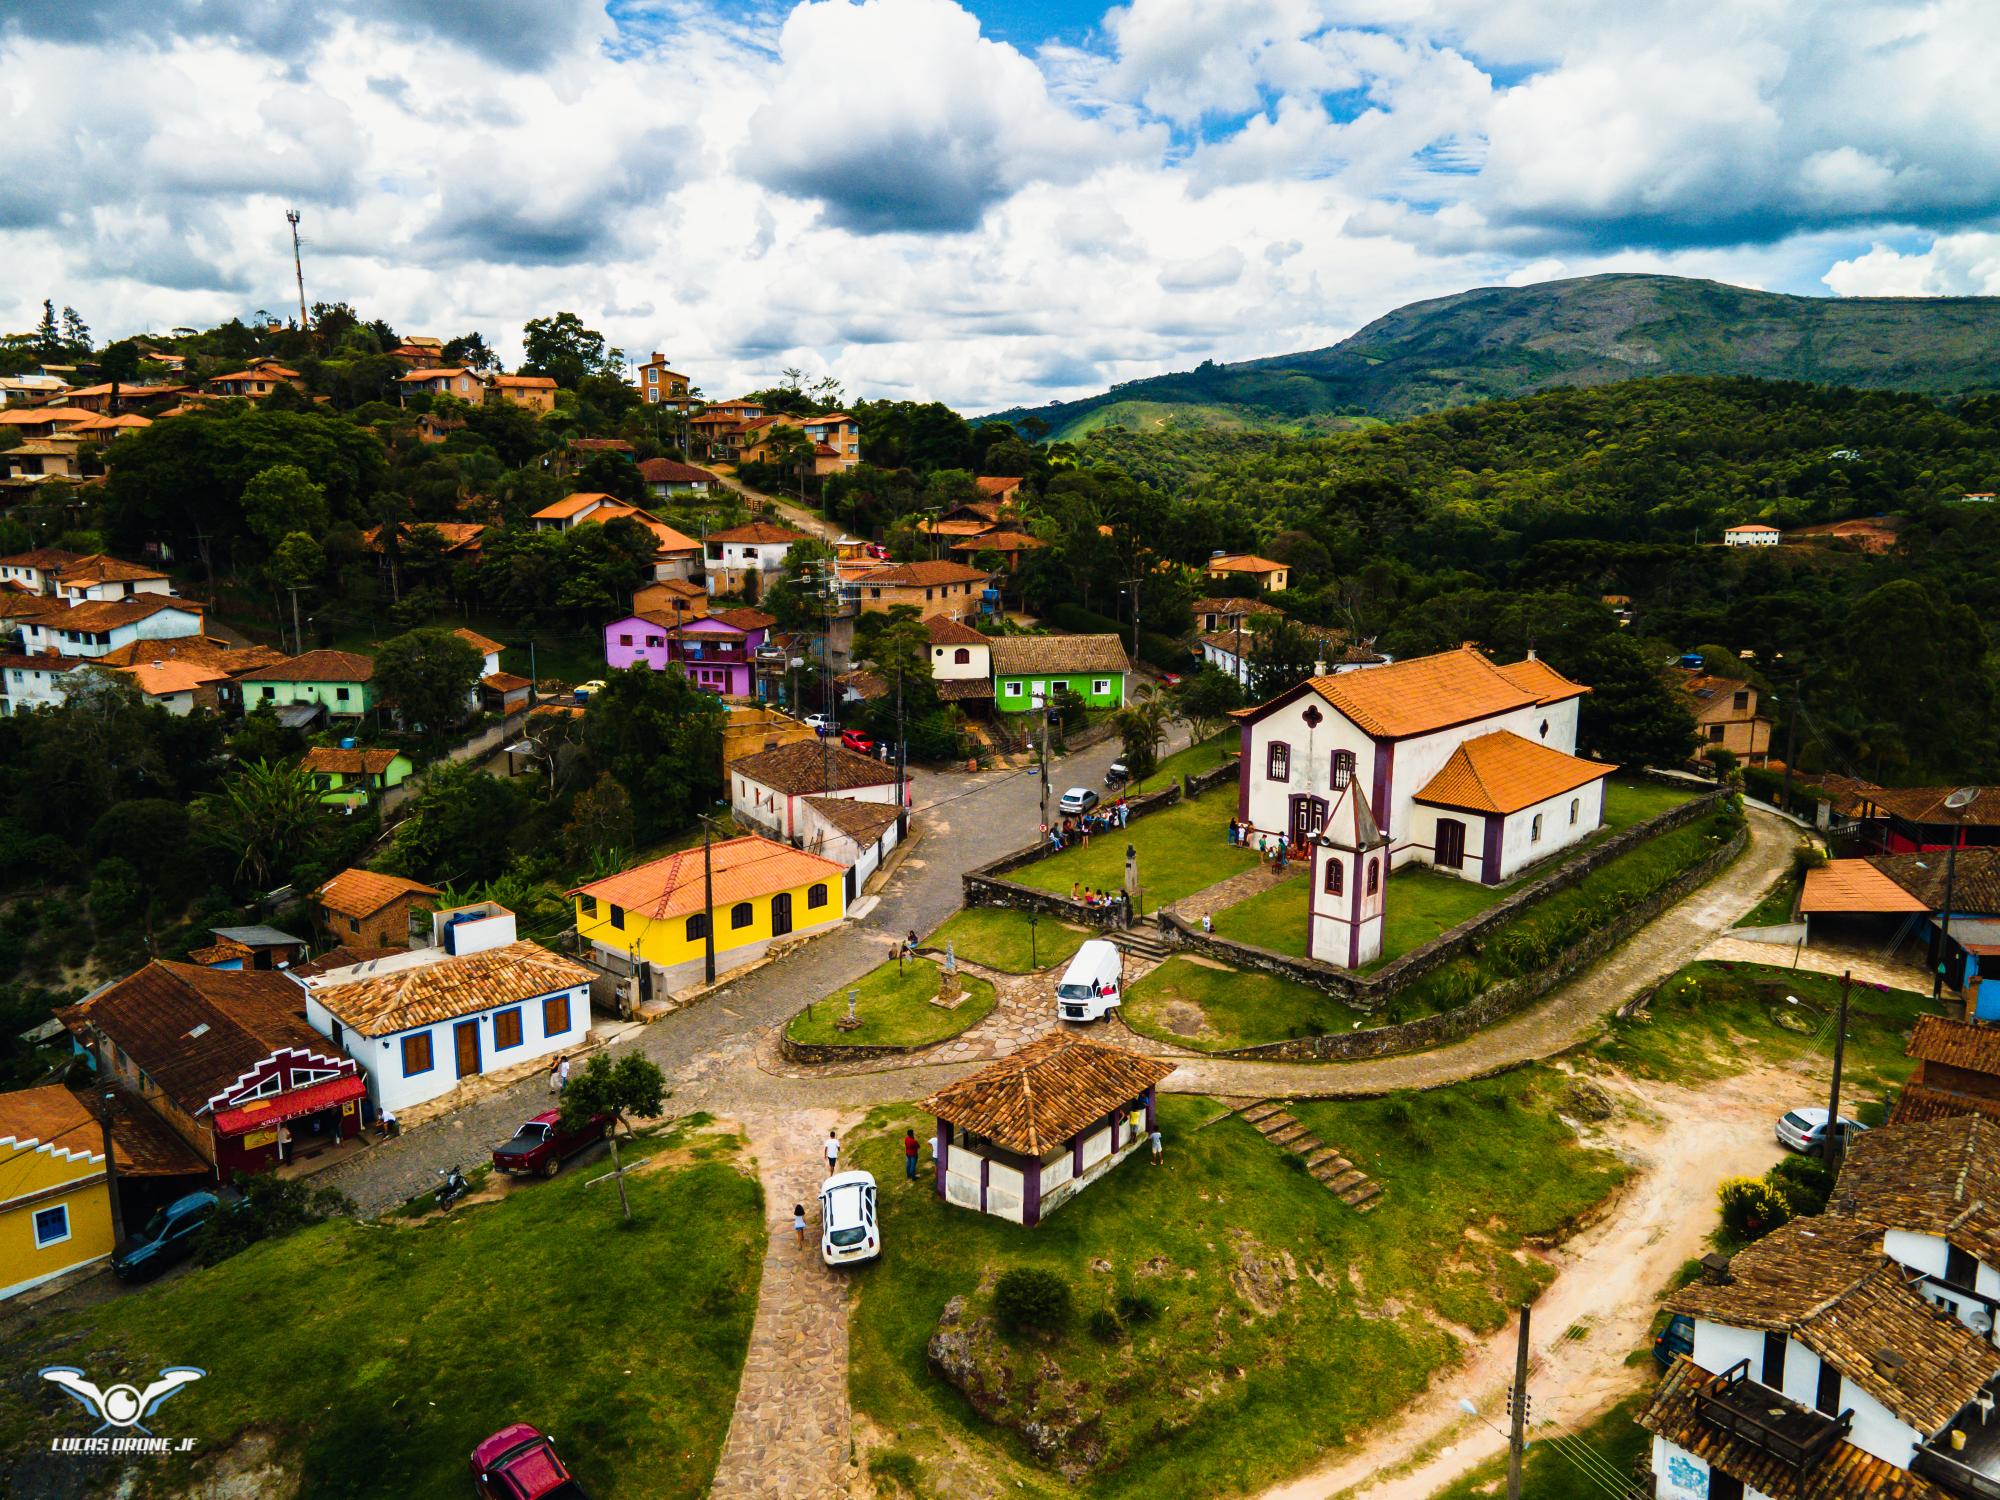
x: 1117, y: 774
x: 167, y: 1239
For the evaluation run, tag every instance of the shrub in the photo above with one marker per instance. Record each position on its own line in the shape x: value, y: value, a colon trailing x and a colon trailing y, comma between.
x: 270, y: 1208
x: 1105, y: 1327
x: 1138, y: 1307
x: 1028, y: 1298
x: 1751, y: 1208
x: 1804, y: 1182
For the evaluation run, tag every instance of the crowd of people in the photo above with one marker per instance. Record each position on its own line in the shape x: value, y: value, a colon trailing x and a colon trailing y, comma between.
x: 1119, y: 903
x: 1274, y: 851
x: 1075, y: 829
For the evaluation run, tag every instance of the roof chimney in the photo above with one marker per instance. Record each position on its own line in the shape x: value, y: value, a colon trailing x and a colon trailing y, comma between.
x: 1531, y: 653
x: 659, y: 358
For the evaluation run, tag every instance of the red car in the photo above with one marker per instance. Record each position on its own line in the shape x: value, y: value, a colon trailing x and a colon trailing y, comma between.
x: 855, y: 740
x: 541, y: 1145
x: 519, y: 1463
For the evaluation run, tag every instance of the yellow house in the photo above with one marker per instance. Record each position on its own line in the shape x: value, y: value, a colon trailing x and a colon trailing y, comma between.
x: 55, y: 1206
x: 652, y: 919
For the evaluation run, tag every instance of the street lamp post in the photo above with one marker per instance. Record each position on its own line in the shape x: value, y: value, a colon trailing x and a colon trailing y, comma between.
x: 1958, y: 801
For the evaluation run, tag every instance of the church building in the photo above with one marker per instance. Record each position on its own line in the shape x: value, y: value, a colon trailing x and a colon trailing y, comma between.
x: 1451, y: 760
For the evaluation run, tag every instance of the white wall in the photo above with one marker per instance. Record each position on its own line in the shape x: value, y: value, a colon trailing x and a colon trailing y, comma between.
x: 381, y: 1058
x: 1927, y: 1253
x: 946, y: 668
x: 1311, y: 760
x: 1518, y: 848
x: 1717, y: 1346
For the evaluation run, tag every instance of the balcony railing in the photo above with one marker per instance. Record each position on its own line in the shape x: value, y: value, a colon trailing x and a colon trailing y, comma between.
x: 1796, y: 1437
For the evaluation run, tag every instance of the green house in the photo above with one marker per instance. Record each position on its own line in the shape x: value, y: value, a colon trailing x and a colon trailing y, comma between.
x: 341, y: 682
x: 351, y: 777
x: 1028, y: 670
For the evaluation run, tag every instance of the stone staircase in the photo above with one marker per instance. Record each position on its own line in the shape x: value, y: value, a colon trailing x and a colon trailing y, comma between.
x: 1143, y: 940
x: 1334, y: 1172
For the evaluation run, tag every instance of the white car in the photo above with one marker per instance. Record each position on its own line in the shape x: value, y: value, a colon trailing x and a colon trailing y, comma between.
x: 1803, y: 1129
x: 1078, y: 799
x: 1089, y: 986
x: 819, y: 724
x: 849, y: 1228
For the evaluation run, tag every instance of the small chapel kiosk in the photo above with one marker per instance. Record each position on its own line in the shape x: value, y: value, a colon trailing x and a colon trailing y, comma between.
x: 1018, y: 1138
x: 1452, y: 761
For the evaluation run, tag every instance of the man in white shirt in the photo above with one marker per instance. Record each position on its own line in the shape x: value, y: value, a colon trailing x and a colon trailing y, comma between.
x: 832, y: 1153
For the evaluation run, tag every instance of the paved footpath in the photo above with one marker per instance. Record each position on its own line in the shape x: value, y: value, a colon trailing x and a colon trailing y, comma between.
x: 789, y: 1437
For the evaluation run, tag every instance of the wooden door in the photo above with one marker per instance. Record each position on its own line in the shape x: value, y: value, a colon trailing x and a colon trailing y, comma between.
x: 781, y: 914
x: 465, y: 1035
x: 1308, y: 818
x: 1450, y: 852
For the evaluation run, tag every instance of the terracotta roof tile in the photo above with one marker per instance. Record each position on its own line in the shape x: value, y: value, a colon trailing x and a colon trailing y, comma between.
x: 1853, y: 885
x: 1243, y: 562
x: 484, y: 645
x: 996, y: 484
x: 196, y: 1030
x: 1027, y: 655
x: 1533, y: 675
x: 1423, y: 693
x: 1925, y: 804
x: 317, y: 666
x: 1223, y: 606
x: 1827, y: 1283
x: 931, y: 574
x: 864, y: 822
x: 109, y: 614
x: 1919, y: 1103
x: 744, y: 869
x: 813, y: 766
x: 505, y: 682
x: 362, y: 893
x: 1957, y: 1044
x: 160, y: 678
x: 569, y: 505
x: 1503, y: 773
x: 449, y: 986
x: 1938, y: 1177
x: 1050, y: 1091
x: 100, y: 568
x: 1976, y: 881
x: 945, y: 631
x: 672, y: 471
x: 1845, y: 1473
x: 361, y: 762
x: 758, y: 533
x: 341, y: 957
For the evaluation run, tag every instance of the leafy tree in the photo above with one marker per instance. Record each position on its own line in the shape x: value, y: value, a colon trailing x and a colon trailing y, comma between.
x: 260, y: 735
x: 48, y: 333
x: 75, y: 334
x: 1030, y: 1299
x: 1282, y: 656
x: 1142, y: 728
x: 459, y: 828
x: 1631, y: 716
x: 661, y: 737
x: 263, y: 818
x: 563, y: 349
x: 600, y: 821
x: 152, y: 832
x: 470, y: 350
x: 120, y: 361
x: 1204, y: 698
x: 631, y: 1086
x: 427, y: 676
x: 272, y: 1207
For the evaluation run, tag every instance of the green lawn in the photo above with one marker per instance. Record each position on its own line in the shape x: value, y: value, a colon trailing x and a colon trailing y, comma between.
x: 1215, y: 1009
x: 1192, y: 761
x: 378, y: 1354
x: 1285, y: 1323
x: 1774, y: 907
x: 894, y: 1004
x: 1630, y: 800
x: 1181, y: 850
x: 1421, y: 904
x: 1556, y: 1469
x: 1705, y: 1020
x: 999, y: 937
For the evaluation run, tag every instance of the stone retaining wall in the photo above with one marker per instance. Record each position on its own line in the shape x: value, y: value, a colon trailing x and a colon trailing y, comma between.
x: 1501, y: 1000
x: 813, y: 1053
x: 1371, y: 992
x: 1194, y: 786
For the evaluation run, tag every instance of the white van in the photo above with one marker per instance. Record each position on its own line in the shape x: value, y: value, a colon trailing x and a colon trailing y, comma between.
x: 1090, y: 985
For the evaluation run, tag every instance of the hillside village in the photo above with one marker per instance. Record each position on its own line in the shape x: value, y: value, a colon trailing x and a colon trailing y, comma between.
x: 1200, y: 978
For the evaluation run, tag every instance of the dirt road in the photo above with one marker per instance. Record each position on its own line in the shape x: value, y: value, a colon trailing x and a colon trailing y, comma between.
x: 1597, y: 1311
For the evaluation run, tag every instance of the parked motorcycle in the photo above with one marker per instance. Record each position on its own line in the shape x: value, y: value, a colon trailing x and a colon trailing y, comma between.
x: 455, y: 1187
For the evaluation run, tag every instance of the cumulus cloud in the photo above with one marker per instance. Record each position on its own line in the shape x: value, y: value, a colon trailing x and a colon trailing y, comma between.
x: 898, y: 115
x: 1217, y: 268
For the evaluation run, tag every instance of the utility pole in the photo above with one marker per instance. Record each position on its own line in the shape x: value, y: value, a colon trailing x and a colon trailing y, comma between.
x: 298, y: 639
x: 1791, y: 742
x: 1831, y: 1144
x: 1045, y: 765
x: 1517, y: 1407
x: 298, y: 265
x: 534, y: 677
x: 707, y: 902
x: 1958, y: 801
x: 111, y: 1170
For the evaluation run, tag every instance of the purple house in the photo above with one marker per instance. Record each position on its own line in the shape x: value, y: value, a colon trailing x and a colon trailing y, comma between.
x: 717, y: 652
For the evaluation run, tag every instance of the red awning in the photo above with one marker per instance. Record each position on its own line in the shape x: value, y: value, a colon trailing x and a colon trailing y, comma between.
x: 289, y: 1105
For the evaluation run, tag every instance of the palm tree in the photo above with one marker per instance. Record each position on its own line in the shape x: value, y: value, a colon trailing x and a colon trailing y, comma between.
x: 264, y: 815
x: 1142, y: 728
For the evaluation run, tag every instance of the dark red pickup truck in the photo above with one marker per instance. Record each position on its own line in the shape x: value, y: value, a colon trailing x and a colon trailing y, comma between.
x: 541, y: 1146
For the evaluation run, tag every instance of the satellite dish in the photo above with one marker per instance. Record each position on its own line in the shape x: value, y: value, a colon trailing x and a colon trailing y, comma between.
x: 1963, y: 797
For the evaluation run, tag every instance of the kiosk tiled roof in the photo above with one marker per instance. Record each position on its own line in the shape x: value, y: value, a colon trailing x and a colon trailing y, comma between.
x: 1050, y: 1091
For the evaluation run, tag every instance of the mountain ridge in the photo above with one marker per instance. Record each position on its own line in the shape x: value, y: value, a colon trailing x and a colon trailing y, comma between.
x: 1492, y: 343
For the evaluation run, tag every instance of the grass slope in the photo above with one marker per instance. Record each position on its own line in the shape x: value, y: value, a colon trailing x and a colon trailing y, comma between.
x: 1287, y: 1322
x: 1229, y: 1009
x: 1001, y: 938
x: 379, y: 1354
x: 1181, y: 850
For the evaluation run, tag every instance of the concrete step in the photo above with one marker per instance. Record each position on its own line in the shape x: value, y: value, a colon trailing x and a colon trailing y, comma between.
x: 1330, y: 1166
x: 1362, y: 1198
x: 1262, y: 1111
x: 1270, y: 1125
x: 1295, y: 1137
x: 1341, y: 1182
x: 1321, y: 1156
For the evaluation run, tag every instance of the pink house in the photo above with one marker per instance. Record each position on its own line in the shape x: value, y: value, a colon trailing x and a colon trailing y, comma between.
x: 717, y: 652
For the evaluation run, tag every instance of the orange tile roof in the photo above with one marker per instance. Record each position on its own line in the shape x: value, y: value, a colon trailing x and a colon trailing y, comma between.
x: 944, y: 631
x: 157, y: 678
x: 1243, y: 562
x: 995, y: 484
x: 484, y: 645
x: 362, y: 893
x: 201, y: 650
x: 758, y: 533
x: 1752, y: 526
x: 921, y: 575
x: 1503, y: 773
x: 1536, y: 676
x: 362, y: 762
x: 526, y: 382
x: 1051, y: 1091
x: 505, y: 682
x: 108, y: 614
x: 50, y: 1119
x: 318, y: 666
x: 1854, y: 885
x: 420, y: 994
x: 569, y: 505
x: 999, y: 541
x: 744, y: 869
x: 812, y: 765
x: 1423, y: 693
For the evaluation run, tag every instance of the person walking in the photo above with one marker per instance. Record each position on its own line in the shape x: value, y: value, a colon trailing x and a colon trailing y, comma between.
x: 1157, y: 1144
x: 832, y: 1149
x: 556, y: 1075
x: 909, y: 1155
x: 1207, y: 923
x: 799, y: 1223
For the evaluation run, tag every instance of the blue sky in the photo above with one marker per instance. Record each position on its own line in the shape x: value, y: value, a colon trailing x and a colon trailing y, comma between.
x: 986, y: 205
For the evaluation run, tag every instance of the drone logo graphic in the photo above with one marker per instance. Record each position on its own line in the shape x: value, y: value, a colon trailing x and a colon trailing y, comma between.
x: 122, y: 1405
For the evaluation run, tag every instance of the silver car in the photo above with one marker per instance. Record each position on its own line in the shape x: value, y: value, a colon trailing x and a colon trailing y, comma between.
x: 1803, y: 1129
